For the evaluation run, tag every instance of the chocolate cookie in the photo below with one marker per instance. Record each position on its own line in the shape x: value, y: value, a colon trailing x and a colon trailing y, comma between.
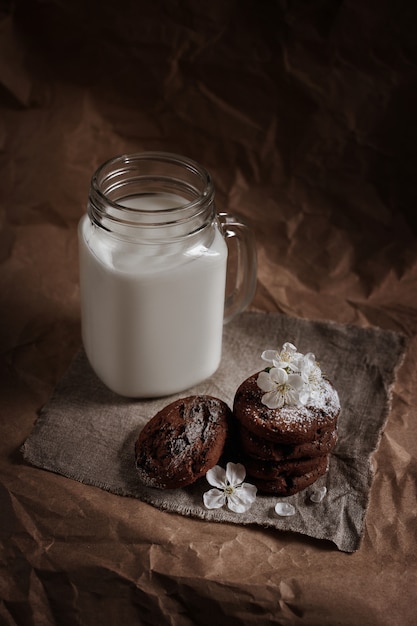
x: 271, y: 470
x: 260, y: 448
x: 289, y: 485
x: 289, y: 424
x: 182, y: 442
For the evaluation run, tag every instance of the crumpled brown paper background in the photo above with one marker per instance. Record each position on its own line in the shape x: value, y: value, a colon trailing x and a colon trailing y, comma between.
x: 304, y: 112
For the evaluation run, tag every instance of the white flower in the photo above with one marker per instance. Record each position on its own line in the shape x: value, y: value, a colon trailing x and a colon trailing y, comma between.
x: 281, y: 388
x: 229, y: 488
x: 309, y: 370
x: 285, y: 359
x: 311, y: 376
x: 293, y: 379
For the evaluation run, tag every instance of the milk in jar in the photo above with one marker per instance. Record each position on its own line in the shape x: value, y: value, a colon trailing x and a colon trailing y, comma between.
x: 153, y: 262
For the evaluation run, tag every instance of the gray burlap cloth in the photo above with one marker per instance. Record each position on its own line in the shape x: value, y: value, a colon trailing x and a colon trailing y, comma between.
x: 87, y: 433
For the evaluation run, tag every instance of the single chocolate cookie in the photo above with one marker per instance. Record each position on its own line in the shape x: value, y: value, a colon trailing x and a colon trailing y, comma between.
x: 260, y: 448
x: 289, y: 485
x: 289, y: 424
x: 182, y: 442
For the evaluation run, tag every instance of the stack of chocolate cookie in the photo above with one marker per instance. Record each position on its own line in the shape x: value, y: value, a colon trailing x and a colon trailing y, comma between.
x: 286, y: 449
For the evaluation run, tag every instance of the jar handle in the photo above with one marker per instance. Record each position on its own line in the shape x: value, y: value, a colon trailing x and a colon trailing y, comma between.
x: 242, y: 260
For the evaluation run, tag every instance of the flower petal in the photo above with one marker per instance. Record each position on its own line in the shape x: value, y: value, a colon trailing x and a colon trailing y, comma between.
x: 278, y: 375
x: 292, y: 398
x: 216, y: 476
x: 235, y: 473
x: 284, y: 509
x: 318, y: 494
x: 247, y: 492
x: 310, y: 358
x: 242, y: 499
x: 214, y: 499
x: 289, y: 347
x: 269, y: 355
x: 235, y: 505
x: 295, y: 381
x: 304, y: 396
x: 265, y: 382
x: 273, y: 400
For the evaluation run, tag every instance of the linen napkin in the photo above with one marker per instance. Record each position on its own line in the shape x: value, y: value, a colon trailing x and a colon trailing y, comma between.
x: 87, y: 433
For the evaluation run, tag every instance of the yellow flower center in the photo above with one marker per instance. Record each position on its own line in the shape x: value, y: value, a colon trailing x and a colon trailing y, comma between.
x: 229, y: 490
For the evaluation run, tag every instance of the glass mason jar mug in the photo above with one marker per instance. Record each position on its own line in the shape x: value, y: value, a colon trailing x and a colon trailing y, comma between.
x: 153, y: 266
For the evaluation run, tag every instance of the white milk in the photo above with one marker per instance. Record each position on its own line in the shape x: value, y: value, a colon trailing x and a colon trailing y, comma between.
x: 151, y: 321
